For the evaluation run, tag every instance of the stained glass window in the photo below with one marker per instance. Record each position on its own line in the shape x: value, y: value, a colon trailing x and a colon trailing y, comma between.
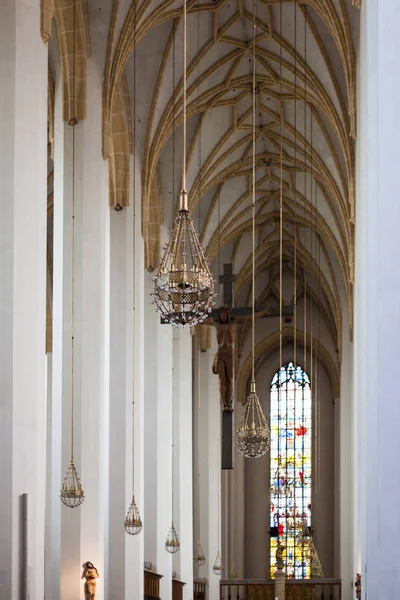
x: 290, y: 492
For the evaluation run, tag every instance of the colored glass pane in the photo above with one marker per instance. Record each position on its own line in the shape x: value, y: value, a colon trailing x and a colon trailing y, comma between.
x: 290, y: 464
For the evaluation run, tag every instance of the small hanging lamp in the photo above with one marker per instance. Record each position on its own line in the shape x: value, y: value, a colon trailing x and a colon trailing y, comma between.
x: 218, y: 567
x: 199, y: 557
x: 172, y: 543
x: 252, y: 433
x: 183, y: 286
x: 233, y: 574
x: 133, y: 522
x: 72, y: 494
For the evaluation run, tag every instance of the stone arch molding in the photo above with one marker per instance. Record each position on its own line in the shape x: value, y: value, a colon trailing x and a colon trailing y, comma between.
x: 63, y: 13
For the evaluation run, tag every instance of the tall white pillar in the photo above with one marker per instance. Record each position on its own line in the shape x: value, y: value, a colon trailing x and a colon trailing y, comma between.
x: 23, y: 174
x: 378, y: 286
x: 83, y: 530
x: 239, y: 507
x: 345, y: 409
x: 135, y: 546
x: 93, y: 239
x: 210, y: 468
x: 183, y: 457
x: 125, y: 552
x: 157, y: 441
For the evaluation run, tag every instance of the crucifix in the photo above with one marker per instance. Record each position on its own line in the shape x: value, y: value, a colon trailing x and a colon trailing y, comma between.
x: 224, y: 320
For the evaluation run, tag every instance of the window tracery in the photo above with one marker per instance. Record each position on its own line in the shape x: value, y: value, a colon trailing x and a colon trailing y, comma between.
x: 291, y: 470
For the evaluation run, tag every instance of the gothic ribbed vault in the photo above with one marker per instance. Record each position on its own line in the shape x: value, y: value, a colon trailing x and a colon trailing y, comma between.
x: 305, y: 106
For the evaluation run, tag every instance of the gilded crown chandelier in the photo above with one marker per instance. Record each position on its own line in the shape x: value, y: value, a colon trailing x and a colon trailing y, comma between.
x: 183, y: 286
x: 252, y: 433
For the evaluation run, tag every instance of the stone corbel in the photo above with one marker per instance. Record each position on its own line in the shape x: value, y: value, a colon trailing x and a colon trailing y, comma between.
x: 46, y: 18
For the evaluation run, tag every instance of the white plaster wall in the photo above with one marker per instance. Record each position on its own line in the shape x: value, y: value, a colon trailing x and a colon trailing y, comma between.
x: 23, y: 171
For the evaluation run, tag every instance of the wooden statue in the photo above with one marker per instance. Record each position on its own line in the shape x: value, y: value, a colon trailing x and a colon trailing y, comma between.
x: 358, y: 586
x: 225, y: 325
x: 223, y: 360
x: 90, y: 573
x: 279, y: 556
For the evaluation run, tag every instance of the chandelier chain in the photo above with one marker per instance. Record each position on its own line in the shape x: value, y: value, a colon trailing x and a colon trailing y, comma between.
x: 280, y: 193
x: 254, y: 196
x: 184, y: 98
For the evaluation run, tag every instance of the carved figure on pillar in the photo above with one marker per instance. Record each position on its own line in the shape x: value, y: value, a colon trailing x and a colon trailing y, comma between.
x: 358, y: 586
x: 279, y: 556
x: 90, y: 573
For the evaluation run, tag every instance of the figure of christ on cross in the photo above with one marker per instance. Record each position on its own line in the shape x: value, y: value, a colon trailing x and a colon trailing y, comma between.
x: 225, y: 325
x: 225, y: 320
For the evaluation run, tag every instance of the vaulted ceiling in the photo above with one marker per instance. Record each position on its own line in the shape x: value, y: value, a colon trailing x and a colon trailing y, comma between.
x: 305, y: 127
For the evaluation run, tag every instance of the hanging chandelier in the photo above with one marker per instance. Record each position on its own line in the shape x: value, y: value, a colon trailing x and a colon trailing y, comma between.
x: 233, y: 574
x: 172, y: 543
x: 133, y: 523
x: 72, y: 494
x: 183, y: 285
x: 252, y: 433
x: 199, y: 557
x: 218, y: 567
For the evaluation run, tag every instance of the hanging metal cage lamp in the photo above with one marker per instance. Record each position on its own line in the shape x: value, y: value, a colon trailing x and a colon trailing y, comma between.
x: 218, y: 567
x: 172, y: 543
x: 133, y: 523
x: 199, y: 557
x: 233, y: 574
x: 72, y: 494
x: 183, y: 286
x: 253, y: 434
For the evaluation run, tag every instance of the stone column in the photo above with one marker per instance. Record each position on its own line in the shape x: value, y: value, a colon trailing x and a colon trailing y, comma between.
x: 23, y: 175
x: 82, y: 534
x: 135, y: 546
x: 183, y: 457
x: 378, y: 286
x: 239, y: 508
x: 125, y: 552
x: 280, y: 585
x: 345, y: 410
x: 210, y: 468
x: 157, y: 441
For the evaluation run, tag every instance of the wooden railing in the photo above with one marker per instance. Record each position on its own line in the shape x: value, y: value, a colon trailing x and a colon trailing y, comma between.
x: 199, y: 589
x: 314, y: 589
x: 247, y: 589
x: 151, y: 585
x: 264, y: 589
x: 177, y: 589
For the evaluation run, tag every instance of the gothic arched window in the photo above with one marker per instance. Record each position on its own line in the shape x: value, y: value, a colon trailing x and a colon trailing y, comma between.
x: 290, y: 468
